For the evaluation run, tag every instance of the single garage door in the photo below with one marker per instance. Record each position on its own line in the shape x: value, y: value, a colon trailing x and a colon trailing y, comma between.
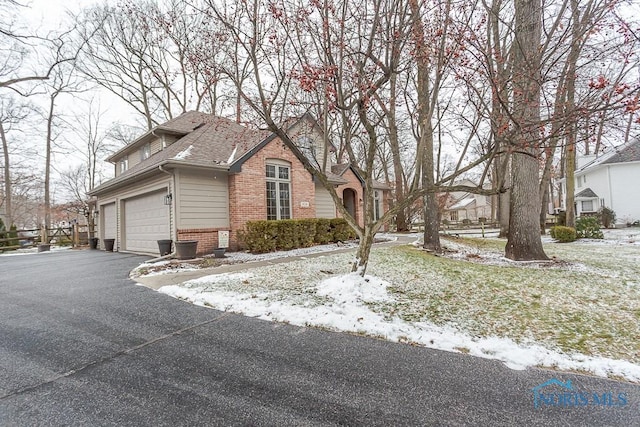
x: 109, y: 221
x: 146, y: 220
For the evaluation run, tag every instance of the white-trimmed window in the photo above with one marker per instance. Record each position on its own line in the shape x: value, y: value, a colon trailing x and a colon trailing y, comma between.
x: 124, y: 164
x: 145, y: 152
x: 587, y: 206
x: 377, y: 208
x: 278, y: 191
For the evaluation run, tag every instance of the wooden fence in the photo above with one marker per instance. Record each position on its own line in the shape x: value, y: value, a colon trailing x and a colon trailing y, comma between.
x: 76, y: 235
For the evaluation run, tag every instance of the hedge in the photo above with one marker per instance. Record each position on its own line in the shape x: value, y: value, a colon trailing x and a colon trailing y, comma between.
x: 287, y: 234
x: 563, y: 234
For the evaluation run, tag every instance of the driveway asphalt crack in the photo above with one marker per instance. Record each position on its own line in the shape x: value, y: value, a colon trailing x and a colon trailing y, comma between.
x: 112, y: 356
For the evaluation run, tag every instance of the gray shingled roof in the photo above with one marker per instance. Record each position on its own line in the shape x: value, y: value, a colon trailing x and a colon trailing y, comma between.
x: 205, y: 140
x: 209, y: 141
x: 587, y: 193
x: 629, y: 153
x: 341, y: 168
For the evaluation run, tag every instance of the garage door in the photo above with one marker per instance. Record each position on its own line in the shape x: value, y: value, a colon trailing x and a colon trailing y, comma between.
x: 109, y: 221
x: 146, y: 220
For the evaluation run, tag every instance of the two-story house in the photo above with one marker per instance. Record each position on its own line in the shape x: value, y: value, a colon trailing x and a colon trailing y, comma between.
x: 609, y: 180
x: 197, y: 175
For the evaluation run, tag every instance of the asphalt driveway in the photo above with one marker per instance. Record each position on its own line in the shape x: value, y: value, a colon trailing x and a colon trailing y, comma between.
x: 81, y: 344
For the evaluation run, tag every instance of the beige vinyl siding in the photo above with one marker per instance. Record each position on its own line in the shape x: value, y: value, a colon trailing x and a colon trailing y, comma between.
x: 156, y: 146
x: 320, y: 148
x: 203, y: 199
x: 167, y: 140
x: 304, y: 130
x: 108, y: 221
x: 134, y: 158
x: 325, y: 208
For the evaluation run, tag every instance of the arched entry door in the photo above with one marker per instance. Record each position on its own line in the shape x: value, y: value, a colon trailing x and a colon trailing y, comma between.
x: 349, y: 201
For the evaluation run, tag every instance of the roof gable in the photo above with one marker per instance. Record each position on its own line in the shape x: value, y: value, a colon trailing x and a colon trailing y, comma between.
x: 629, y: 152
x: 206, y: 141
x: 625, y: 154
x: 587, y: 193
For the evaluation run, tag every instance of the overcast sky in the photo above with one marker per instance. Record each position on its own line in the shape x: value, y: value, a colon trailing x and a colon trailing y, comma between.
x: 49, y: 14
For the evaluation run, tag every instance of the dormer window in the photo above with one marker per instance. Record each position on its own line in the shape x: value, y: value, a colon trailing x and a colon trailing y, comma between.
x: 124, y: 164
x: 145, y: 152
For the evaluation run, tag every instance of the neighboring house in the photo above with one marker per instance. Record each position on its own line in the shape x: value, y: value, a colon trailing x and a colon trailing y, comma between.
x: 464, y: 205
x: 609, y: 180
x: 197, y: 175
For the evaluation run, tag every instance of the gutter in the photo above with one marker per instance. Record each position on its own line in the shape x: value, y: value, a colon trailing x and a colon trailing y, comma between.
x: 173, y: 184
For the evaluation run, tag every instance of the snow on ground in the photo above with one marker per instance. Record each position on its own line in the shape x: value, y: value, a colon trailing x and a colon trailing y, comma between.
x: 346, y: 308
x: 522, y: 317
x: 176, y: 266
x: 34, y: 250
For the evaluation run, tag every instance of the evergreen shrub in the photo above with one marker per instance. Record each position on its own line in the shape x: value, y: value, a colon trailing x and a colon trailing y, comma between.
x: 287, y: 234
x: 563, y: 234
x: 588, y: 227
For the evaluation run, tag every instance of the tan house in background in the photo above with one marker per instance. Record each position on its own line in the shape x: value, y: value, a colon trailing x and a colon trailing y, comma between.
x: 198, y: 175
x: 467, y: 206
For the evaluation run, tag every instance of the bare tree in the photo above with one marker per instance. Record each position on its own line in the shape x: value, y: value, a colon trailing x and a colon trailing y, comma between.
x: 18, y: 48
x: 12, y: 112
x: 148, y: 54
x: 345, y: 53
x: 64, y: 82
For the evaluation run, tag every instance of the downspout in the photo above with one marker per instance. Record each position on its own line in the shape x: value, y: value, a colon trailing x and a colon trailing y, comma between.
x: 610, y: 189
x: 171, y: 212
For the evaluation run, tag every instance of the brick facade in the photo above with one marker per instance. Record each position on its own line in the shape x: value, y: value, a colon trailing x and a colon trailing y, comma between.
x: 248, y: 194
x: 207, y: 238
x: 355, y: 185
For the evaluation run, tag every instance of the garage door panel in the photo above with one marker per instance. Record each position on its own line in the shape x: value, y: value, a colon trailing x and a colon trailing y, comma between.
x: 146, y: 222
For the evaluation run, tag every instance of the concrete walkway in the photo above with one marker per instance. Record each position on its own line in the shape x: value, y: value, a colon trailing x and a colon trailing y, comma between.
x: 159, y: 280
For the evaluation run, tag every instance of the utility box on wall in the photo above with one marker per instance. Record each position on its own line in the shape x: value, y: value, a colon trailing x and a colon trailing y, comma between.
x: 223, y: 239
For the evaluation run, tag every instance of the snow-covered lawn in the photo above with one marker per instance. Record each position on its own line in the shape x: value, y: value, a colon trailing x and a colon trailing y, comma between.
x: 579, y: 312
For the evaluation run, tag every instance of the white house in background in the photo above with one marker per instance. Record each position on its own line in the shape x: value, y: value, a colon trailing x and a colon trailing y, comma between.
x: 612, y: 180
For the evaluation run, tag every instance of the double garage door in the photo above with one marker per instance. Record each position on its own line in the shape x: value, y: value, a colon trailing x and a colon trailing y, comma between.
x: 145, y: 220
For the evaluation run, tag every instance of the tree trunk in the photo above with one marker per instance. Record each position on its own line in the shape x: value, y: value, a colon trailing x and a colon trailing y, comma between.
x: 524, y: 241
x: 47, y: 170
x: 570, y: 157
x: 401, y: 219
x: 545, y: 182
x: 499, y: 72
x: 570, y: 171
x: 427, y: 99
x: 431, y: 223
x: 364, y: 250
x: 504, y: 198
x: 8, y: 209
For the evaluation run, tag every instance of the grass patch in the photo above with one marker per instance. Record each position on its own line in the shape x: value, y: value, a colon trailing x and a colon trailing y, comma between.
x: 586, y: 308
x: 589, y: 303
